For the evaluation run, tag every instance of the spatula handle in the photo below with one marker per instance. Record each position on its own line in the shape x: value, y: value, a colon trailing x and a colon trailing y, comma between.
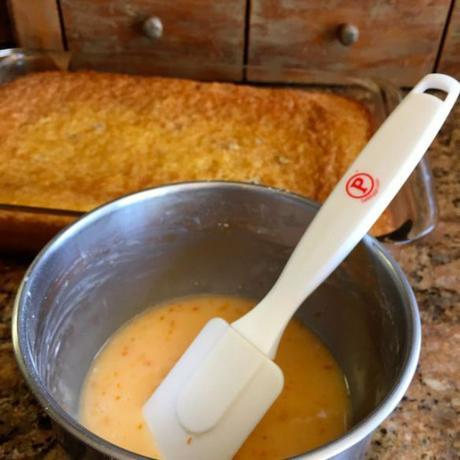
x: 354, y: 205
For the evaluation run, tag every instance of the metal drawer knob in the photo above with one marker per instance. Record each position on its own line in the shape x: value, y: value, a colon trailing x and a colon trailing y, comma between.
x: 348, y: 34
x: 153, y: 27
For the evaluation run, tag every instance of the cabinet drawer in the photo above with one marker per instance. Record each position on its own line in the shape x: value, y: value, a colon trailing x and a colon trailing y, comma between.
x: 209, y: 32
x: 450, y: 56
x: 397, y: 40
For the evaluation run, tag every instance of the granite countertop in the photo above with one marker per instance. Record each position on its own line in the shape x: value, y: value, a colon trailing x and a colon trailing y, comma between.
x: 426, y: 423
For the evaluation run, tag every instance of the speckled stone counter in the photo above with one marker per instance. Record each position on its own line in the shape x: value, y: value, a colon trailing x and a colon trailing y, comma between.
x: 426, y: 425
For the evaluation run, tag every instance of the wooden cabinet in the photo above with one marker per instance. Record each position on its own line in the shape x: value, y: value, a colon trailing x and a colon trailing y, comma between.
x: 6, y: 34
x: 449, y: 61
x: 37, y: 24
x: 191, y: 32
x: 396, y: 40
x: 392, y: 39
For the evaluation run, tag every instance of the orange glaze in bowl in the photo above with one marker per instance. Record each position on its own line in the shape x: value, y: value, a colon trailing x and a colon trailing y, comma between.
x: 313, y: 408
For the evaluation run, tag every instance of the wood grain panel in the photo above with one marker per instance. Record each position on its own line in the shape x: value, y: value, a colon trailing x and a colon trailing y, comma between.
x: 6, y: 34
x: 37, y: 24
x: 195, y: 31
x: 398, y: 39
x: 450, y: 55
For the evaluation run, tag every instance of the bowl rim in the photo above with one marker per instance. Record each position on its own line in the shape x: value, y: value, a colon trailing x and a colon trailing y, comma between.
x: 356, y: 434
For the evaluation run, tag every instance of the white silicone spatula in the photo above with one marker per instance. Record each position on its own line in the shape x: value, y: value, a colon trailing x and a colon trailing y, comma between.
x: 225, y: 382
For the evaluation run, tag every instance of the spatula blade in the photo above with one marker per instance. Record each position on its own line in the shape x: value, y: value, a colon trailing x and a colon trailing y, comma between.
x: 213, y: 397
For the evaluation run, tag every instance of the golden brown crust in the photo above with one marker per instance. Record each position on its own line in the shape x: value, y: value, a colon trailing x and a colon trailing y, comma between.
x: 76, y: 140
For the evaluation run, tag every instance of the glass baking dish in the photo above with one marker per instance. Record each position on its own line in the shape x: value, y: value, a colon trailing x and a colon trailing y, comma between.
x: 413, y: 211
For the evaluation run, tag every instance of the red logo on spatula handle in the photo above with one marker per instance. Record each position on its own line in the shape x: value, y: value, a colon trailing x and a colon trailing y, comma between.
x: 360, y: 185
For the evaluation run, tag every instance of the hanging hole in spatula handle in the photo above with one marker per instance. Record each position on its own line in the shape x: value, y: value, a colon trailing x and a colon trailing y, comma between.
x: 439, y: 82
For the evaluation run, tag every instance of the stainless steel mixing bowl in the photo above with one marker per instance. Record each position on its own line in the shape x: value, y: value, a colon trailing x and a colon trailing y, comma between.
x: 212, y: 237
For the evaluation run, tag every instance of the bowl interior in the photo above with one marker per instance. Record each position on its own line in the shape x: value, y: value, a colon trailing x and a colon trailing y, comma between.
x: 202, y: 238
